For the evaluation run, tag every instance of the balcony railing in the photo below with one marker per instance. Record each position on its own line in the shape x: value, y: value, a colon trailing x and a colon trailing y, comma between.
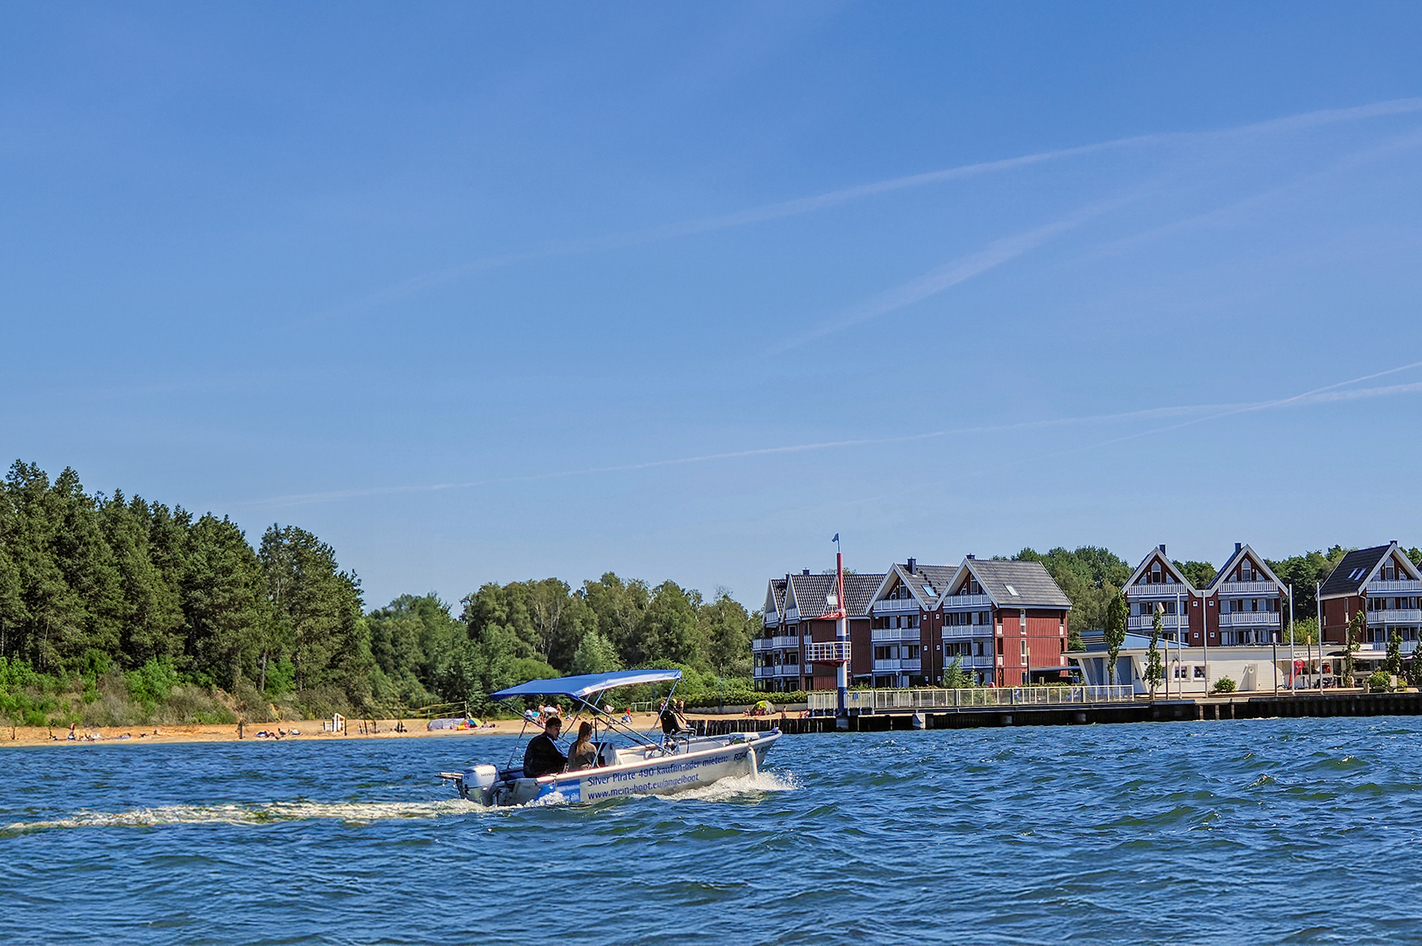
x: 1160, y: 590
x: 896, y: 606
x: 966, y: 602
x: 961, y: 632
x: 898, y: 666
x: 894, y: 634
x: 827, y: 652
x: 1402, y: 616
x: 1249, y: 588
x: 1146, y: 622
x: 775, y: 643
x: 871, y: 701
x: 1248, y: 618
x: 1379, y: 588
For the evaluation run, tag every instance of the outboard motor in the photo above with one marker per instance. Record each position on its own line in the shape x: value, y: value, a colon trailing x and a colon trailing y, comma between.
x: 477, y: 781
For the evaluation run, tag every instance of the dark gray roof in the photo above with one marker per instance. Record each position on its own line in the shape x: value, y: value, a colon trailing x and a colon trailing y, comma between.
x: 923, y: 577
x: 1339, y: 582
x: 859, y: 591
x: 810, y: 592
x: 1034, y: 586
x: 936, y: 576
x: 777, y: 591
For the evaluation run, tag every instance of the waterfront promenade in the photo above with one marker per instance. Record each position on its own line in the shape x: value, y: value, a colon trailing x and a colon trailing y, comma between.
x: 1080, y: 712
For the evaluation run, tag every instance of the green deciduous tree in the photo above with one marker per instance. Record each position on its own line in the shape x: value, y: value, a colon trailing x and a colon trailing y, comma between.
x: 1303, y: 572
x: 1393, y: 663
x: 1155, y: 670
x: 595, y: 654
x: 728, y: 629
x: 1114, y: 633
x: 1357, y: 627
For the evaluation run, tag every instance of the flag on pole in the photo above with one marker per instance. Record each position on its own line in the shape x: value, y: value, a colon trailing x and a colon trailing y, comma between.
x: 836, y: 537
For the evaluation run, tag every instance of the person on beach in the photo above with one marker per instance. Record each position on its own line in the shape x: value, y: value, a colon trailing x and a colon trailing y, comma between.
x: 583, y: 754
x: 541, y: 757
x: 627, y: 716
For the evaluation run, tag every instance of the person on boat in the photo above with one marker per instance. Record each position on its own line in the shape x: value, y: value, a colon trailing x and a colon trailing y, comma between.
x: 671, y: 721
x: 583, y: 754
x: 541, y: 757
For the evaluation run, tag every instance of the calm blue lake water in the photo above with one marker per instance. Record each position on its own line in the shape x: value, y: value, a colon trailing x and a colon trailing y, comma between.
x: 1260, y: 831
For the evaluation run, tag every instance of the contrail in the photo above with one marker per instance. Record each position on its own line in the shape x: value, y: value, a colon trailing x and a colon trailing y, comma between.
x: 950, y: 274
x: 1326, y: 394
x: 835, y: 198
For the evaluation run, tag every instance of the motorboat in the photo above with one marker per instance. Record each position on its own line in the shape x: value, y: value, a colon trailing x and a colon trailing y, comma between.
x: 628, y: 762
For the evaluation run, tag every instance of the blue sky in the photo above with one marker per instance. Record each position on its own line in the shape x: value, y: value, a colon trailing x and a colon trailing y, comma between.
x: 485, y: 293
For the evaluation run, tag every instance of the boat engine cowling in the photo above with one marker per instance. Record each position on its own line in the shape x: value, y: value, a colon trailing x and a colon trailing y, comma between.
x: 477, y: 778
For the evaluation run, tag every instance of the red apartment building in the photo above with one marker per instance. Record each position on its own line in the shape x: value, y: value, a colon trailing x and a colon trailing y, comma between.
x: 796, y: 609
x: 904, y: 624
x: 1007, y: 621
x: 1384, y: 582
x: 1244, y: 602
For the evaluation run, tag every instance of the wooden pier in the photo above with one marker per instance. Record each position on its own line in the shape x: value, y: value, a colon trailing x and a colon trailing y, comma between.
x: 1304, y: 705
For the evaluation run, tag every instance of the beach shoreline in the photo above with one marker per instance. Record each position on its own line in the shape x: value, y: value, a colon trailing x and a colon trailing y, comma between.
x: 306, y: 730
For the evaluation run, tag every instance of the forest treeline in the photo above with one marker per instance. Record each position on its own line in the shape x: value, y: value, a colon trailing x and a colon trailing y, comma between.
x: 122, y: 603
x: 117, y: 610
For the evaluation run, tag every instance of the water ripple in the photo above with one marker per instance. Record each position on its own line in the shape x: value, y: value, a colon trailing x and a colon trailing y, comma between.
x: 1292, y: 831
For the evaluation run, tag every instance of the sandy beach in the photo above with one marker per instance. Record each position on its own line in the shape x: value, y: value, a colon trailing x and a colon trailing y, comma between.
x: 296, y: 730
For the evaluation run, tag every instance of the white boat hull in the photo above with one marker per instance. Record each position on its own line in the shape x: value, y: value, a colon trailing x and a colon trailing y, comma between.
x: 694, y: 763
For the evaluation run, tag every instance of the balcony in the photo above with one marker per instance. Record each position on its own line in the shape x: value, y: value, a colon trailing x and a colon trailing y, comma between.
x: 1390, y: 617
x: 762, y: 673
x: 975, y: 662
x: 896, y: 606
x: 1169, y: 622
x: 1161, y: 590
x: 775, y: 643
x: 1379, y: 588
x: 962, y: 632
x: 827, y: 652
x: 897, y: 666
x: 1249, y: 588
x: 966, y: 602
x: 787, y: 670
x: 890, y: 634
x: 1249, y: 618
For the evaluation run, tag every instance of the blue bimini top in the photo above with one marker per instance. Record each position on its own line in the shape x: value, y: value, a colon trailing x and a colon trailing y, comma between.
x: 585, y: 684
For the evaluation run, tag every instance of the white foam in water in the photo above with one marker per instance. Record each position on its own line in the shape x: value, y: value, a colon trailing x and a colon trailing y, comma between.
x: 363, y: 812
x: 738, y: 786
x: 359, y: 812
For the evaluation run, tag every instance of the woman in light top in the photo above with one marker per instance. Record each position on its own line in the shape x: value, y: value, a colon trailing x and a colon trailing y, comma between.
x: 583, y: 755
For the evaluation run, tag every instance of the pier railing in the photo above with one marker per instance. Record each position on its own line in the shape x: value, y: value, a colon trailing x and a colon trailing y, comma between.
x: 871, y: 701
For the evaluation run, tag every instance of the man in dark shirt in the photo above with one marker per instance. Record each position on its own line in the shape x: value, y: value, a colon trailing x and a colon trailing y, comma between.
x: 542, y: 757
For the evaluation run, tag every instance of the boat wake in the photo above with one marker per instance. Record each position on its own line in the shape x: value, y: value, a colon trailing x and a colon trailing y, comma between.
x: 727, y: 789
x: 738, y: 786
x: 271, y: 813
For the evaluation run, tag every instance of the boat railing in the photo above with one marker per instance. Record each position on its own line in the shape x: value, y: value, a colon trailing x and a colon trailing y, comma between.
x: 890, y: 700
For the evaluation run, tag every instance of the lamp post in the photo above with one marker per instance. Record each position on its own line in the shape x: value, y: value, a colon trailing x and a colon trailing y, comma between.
x: 1293, y: 677
x: 1318, y: 606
